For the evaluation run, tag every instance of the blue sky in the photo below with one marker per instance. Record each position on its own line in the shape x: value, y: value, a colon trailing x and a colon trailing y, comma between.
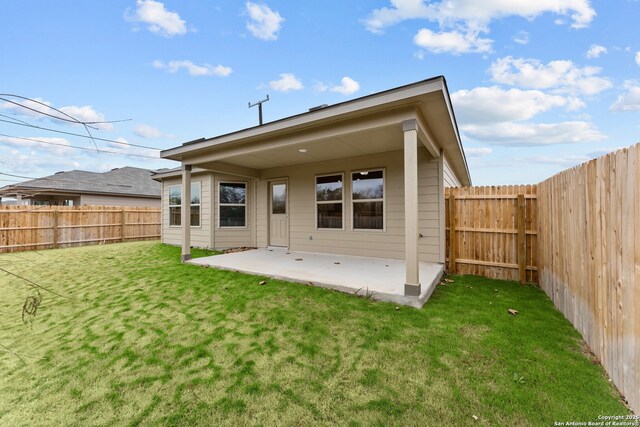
x: 537, y: 86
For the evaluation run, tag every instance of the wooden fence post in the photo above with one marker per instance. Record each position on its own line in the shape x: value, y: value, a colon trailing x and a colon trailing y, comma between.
x: 122, y: 225
x: 522, y: 240
x: 55, y: 228
x: 452, y: 233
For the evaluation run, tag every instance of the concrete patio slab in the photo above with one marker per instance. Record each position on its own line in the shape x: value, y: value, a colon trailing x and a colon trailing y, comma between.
x: 380, y: 278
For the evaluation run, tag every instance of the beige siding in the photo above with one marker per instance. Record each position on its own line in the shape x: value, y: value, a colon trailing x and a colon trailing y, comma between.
x: 386, y: 243
x: 234, y: 237
x: 303, y: 235
x: 200, y: 236
x: 450, y: 178
x: 105, y: 200
x: 429, y: 205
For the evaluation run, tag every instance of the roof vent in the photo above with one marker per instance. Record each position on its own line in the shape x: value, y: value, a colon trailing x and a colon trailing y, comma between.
x: 319, y: 107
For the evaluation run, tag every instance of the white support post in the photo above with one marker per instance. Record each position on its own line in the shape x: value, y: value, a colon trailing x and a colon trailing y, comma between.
x: 412, y: 282
x: 186, y: 213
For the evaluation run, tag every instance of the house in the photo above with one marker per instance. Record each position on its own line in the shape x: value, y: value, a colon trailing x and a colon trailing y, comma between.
x: 364, y: 177
x: 127, y: 186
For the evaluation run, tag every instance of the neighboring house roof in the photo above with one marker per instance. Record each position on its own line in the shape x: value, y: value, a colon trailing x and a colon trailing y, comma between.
x: 430, y: 96
x: 126, y: 181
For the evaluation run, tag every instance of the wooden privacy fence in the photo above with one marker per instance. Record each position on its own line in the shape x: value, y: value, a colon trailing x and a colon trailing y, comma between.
x: 492, y: 231
x: 578, y: 235
x: 24, y: 228
x: 589, y: 221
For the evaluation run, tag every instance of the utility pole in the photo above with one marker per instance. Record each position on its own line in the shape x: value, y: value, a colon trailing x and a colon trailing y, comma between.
x: 259, y: 104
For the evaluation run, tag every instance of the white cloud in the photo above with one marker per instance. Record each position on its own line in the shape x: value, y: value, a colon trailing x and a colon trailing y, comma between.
x: 521, y: 38
x: 87, y: 114
x: 399, y: 11
x: 477, y: 152
x: 193, y: 69
x: 595, y: 51
x: 533, y: 134
x: 55, y: 146
x: 38, y: 108
x: 287, y: 82
x: 602, y: 152
x: 453, y: 42
x: 447, y: 12
x: 346, y: 87
x: 628, y: 101
x: 494, y: 104
x: 146, y: 131
x: 159, y: 20
x: 28, y: 162
x: 320, y: 87
x: 264, y: 23
x: 123, y: 146
x: 566, y: 161
x: 638, y: 57
x: 221, y: 70
x: 561, y: 76
x: 26, y: 107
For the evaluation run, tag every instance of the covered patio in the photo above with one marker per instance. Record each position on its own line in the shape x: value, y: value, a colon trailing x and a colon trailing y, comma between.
x: 381, y: 279
x: 348, y: 196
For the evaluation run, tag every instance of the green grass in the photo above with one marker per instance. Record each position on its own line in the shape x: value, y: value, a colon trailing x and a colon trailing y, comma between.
x: 144, y: 340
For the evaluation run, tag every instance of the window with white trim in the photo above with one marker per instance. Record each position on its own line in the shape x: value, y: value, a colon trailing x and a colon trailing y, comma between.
x: 367, y: 197
x: 232, y: 204
x: 175, y: 205
x: 329, y: 201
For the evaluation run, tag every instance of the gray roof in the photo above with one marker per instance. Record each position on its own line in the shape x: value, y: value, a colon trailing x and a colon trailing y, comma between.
x: 128, y: 181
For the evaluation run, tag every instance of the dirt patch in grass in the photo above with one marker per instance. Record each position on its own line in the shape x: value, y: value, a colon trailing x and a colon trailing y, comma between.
x: 140, y: 338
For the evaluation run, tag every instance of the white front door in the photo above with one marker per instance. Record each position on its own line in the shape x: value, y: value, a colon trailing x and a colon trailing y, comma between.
x: 278, y: 214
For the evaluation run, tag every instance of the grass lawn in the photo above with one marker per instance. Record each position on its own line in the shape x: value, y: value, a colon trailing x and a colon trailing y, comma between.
x: 142, y: 339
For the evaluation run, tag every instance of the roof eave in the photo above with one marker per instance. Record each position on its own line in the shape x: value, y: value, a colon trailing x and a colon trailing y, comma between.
x: 305, y: 119
x: 40, y: 190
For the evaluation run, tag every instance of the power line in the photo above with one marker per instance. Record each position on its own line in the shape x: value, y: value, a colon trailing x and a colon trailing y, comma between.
x: 39, y: 111
x: 81, y: 136
x: 76, y: 147
x: 14, y: 119
x: 70, y: 118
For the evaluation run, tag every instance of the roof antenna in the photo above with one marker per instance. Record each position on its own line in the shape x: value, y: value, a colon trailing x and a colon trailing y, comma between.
x: 259, y: 104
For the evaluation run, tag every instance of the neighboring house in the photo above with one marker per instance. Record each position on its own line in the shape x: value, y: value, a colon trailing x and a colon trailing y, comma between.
x: 363, y: 177
x: 125, y: 186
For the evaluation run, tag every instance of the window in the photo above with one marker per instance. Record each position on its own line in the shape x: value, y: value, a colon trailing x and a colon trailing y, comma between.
x: 233, y: 204
x: 367, y: 195
x: 279, y: 199
x: 329, y: 201
x: 175, y: 205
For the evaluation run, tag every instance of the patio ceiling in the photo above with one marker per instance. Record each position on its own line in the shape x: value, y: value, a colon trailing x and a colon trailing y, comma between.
x: 308, y: 150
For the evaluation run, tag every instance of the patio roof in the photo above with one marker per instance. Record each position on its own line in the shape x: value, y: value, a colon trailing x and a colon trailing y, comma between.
x: 366, y: 125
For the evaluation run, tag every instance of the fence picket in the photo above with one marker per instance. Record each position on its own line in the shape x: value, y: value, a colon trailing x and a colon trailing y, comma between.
x: 32, y: 227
